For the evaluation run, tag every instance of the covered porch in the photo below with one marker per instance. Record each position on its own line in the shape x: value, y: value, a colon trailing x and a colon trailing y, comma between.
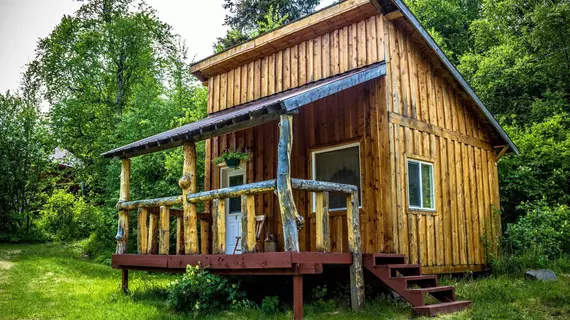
x: 202, y: 238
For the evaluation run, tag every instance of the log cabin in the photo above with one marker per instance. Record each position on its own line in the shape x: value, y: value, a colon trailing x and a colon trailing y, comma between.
x: 366, y: 148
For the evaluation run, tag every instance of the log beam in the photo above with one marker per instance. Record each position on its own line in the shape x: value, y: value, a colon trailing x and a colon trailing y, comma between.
x: 322, y: 221
x: 123, y: 223
x: 188, y: 185
x: 153, y: 234
x: 354, y: 247
x: 291, y: 220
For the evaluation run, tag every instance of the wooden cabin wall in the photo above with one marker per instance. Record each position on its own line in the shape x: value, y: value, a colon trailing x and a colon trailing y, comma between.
x: 347, y: 48
x: 430, y: 121
x: 348, y: 117
x: 413, y: 112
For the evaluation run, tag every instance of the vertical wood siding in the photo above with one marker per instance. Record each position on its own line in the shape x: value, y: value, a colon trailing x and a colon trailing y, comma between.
x: 413, y: 112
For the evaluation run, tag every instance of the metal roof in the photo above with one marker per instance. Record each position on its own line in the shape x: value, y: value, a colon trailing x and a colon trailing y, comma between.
x: 251, y: 113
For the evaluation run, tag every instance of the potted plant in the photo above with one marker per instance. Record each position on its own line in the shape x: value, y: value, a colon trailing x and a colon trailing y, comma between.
x: 232, y: 159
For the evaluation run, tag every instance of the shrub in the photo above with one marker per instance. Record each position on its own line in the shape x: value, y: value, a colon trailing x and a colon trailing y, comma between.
x: 544, y: 230
x: 270, y: 305
x: 200, y: 292
x: 66, y: 216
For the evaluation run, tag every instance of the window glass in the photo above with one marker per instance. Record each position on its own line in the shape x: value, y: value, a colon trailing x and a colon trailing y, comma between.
x: 235, y: 203
x: 427, y: 181
x: 341, y: 166
x: 420, y: 185
x: 414, y: 184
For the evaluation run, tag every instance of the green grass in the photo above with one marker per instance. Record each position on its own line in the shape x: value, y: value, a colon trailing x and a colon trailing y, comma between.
x: 53, y: 282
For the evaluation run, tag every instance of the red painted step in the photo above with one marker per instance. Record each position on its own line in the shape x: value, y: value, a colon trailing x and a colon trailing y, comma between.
x: 407, y: 281
x: 433, y: 310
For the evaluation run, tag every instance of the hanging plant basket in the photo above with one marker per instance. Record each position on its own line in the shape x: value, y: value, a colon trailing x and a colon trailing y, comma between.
x: 232, y: 159
x: 233, y: 163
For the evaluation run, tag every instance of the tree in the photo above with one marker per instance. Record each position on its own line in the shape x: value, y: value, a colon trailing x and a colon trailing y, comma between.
x: 112, y: 73
x: 25, y: 166
x: 245, y: 18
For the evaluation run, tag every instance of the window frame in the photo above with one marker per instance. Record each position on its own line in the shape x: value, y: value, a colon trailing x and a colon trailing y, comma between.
x: 336, y: 147
x: 432, y: 180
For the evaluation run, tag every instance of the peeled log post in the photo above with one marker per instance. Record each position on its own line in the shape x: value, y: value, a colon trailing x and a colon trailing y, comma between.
x: 290, y: 218
x: 188, y: 185
x: 322, y: 221
x: 179, y: 235
x: 354, y: 246
x: 248, y: 223
x: 164, y: 232
x: 123, y: 223
x: 153, y: 234
x: 142, y: 234
x: 219, y: 228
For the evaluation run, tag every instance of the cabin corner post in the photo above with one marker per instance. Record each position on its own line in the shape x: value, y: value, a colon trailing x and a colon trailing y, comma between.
x: 355, y: 247
x: 124, y: 195
x: 290, y: 218
x: 188, y: 185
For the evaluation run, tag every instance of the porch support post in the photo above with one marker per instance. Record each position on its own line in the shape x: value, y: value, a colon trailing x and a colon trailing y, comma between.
x: 298, y: 297
x: 354, y: 246
x: 123, y: 223
x: 290, y: 218
x: 188, y: 185
x: 125, y: 280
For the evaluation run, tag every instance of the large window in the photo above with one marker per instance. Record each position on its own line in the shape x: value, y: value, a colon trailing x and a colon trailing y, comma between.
x: 420, y: 185
x: 341, y: 165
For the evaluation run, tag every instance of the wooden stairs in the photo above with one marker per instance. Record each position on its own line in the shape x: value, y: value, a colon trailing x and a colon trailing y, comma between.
x: 408, y: 281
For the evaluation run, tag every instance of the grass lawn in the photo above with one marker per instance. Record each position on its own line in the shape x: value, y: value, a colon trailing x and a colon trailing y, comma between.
x: 52, y: 282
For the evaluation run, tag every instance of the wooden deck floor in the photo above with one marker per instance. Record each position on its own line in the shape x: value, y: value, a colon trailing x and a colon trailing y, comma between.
x: 284, y: 263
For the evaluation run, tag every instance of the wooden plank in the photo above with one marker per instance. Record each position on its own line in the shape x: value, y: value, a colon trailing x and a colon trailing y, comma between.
x: 461, y: 231
x: 438, y: 131
x: 467, y: 203
x: 302, y: 63
x: 244, y: 83
x: 230, y: 90
x: 361, y: 40
x: 264, y: 75
x: 480, y: 206
x: 473, y: 207
x: 250, y: 81
x: 248, y: 240
x: 134, y: 260
x: 265, y: 260
x: 271, y: 65
x: 164, y: 231
x: 352, y: 47
x: 322, y: 222
x: 257, y: 79
x: 237, y: 86
x: 142, y: 228
x: 223, y: 91
x: 325, y: 55
x: 286, y: 69
x: 204, y: 236
x: 334, y: 52
x: 355, y: 247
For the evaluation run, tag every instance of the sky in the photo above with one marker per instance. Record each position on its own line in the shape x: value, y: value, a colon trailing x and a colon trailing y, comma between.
x: 23, y: 22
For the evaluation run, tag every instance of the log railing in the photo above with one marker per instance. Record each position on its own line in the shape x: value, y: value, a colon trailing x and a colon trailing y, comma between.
x: 187, y: 241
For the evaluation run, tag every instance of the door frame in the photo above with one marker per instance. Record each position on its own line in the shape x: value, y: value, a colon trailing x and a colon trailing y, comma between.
x: 241, y: 171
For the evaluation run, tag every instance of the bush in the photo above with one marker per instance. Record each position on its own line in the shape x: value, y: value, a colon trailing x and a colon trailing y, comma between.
x: 66, y: 216
x: 200, y: 292
x: 543, y: 230
x: 270, y: 305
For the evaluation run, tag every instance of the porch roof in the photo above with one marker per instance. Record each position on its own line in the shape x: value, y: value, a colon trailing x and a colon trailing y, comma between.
x: 250, y: 114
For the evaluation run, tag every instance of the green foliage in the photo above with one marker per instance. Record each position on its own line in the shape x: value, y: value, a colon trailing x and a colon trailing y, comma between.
x: 270, y: 305
x: 26, y: 170
x: 66, y: 216
x: 544, y: 230
x: 200, y: 292
x: 232, y: 155
x: 249, y: 18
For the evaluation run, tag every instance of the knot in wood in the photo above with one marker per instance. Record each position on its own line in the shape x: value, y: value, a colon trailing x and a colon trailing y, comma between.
x: 119, y: 205
x: 300, y: 222
x: 185, y: 181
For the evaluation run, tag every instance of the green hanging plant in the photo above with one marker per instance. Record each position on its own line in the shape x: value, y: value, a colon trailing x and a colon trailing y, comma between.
x: 232, y: 158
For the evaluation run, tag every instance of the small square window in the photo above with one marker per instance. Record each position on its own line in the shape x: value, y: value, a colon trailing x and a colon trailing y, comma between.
x: 420, y: 185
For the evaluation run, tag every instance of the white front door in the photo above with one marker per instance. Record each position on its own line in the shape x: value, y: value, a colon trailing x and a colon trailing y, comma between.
x: 231, y: 178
